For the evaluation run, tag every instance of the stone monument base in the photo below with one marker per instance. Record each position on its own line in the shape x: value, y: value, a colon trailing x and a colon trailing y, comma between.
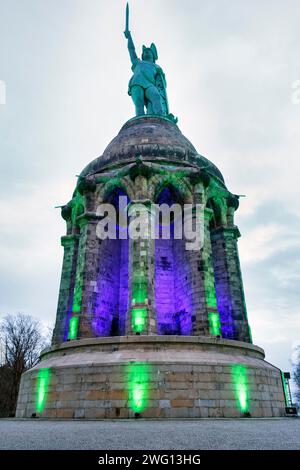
x: 152, y: 377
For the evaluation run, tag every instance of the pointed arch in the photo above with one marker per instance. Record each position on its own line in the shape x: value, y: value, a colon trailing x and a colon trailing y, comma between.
x: 172, y: 270
x: 111, y: 296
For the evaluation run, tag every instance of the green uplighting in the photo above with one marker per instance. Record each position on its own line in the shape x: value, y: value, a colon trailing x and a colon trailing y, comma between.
x: 139, y: 286
x: 285, y: 390
x: 77, y: 299
x: 139, y: 317
x: 73, y: 328
x: 139, y: 293
x: 43, y: 380
x: 214, y: 323
x: 138, y: 386
x: 240, y: 381
x: 250, y: 333
x: 210, y: 291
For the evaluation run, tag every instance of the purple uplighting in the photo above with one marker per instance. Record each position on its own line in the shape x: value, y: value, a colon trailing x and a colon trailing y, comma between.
x: 172, y: 280
x: 111, y: 296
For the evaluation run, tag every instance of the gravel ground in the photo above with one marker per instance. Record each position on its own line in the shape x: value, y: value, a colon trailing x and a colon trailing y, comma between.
x: 280, y: 433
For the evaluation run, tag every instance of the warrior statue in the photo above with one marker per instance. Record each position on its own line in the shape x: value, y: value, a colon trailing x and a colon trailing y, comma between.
x: 147, y: 86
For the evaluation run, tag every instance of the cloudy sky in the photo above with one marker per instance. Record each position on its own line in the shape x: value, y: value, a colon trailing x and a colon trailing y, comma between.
x: 230, y: 68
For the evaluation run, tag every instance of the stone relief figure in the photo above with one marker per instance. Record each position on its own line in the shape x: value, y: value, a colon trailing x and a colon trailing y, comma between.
x: 147, y: 86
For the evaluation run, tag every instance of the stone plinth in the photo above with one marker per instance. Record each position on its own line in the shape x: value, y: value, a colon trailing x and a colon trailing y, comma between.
x: 152, y: 377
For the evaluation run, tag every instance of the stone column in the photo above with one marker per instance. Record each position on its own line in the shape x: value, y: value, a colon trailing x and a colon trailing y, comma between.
x: 80, y: 325
x: 205, y: 314
x: 141, y: 315
x: 209, y: 279
x: 229, y: 284
x: 70, y: 245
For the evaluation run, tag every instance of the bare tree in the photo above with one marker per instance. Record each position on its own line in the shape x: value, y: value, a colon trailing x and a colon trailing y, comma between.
x: 297, y: 378
x: 21, y: 336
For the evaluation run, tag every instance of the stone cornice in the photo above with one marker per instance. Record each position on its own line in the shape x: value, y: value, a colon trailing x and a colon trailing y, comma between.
x: 230, y: 230
x: 87, y: 217
x: 158, y: 341
x: 67, y: 240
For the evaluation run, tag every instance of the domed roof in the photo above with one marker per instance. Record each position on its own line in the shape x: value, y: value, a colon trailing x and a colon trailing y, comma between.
x: 154, y: 138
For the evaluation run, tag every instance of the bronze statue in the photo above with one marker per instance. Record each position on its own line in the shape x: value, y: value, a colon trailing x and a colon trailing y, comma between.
x: 147, y: 86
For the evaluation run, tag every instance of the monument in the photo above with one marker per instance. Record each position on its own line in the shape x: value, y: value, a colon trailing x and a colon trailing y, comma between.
x: 144, y: 326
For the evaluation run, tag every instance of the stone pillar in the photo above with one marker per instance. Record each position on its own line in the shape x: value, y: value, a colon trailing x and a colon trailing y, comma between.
x: 205, y: 314
x: 199, y: 306
x: 70, y: 245
x: 208, y: 281
x: 229, y: 284
x: 140, y: 317
x: 80, y: 325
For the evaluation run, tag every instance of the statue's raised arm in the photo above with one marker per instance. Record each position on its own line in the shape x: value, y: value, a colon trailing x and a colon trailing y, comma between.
x: 130, y: 44
x: 131, y: 47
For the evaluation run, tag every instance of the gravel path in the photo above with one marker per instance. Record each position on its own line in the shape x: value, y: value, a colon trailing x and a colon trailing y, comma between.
x: 283, y: 433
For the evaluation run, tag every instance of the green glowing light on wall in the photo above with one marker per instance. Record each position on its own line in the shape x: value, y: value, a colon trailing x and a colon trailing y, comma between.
x: 138, y: 386
x: 214, y: 323
x: 210, y: 291
x: 43, y: 380
x: 139, y: 317
x: 139, y: 293
x: 285, y: 390
x: 250, y: 333
x: 73, y: 328
x: 240, y: 381
x: 77, y: 206
x: 77, y: 299
x: 139, y: 287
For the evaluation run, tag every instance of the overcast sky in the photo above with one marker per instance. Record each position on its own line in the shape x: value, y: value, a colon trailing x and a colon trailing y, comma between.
x: 230, y: 67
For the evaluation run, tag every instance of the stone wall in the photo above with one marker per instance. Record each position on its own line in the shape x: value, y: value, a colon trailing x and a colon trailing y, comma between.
x: 183, y: 287
x: 164, y: 287
x: 106, y: 303
x: 169, y: 378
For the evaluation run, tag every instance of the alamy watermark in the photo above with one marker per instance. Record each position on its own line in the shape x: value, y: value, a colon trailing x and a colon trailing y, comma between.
x: 142, y: 221
x: 2, y: 92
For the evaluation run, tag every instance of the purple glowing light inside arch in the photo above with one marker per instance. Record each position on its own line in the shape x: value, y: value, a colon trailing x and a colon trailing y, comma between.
x: 111, y: 299
x: 172, y: 279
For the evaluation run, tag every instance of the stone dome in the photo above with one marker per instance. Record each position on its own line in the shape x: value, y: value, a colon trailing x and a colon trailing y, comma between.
x: 155, y: 139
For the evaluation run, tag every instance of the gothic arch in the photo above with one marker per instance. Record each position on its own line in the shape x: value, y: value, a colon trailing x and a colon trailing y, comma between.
x: 111, y: 297
x: 113, y: 185
x: 178, y: 185
x: 172, y: 272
